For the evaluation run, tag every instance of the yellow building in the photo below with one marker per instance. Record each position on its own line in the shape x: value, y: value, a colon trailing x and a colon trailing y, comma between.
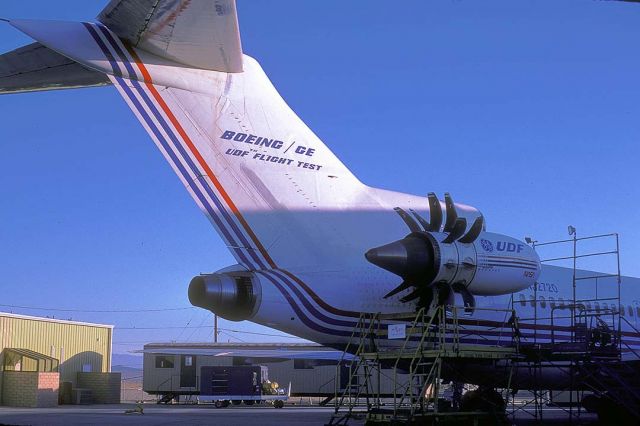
x: 45, y: 346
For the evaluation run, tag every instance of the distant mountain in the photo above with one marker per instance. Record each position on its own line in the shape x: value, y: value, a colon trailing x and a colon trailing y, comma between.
x: 128, y: 373
x: 126, y: 360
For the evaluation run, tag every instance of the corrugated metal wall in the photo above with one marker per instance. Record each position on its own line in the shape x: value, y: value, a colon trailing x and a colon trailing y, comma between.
x: 75, y: 345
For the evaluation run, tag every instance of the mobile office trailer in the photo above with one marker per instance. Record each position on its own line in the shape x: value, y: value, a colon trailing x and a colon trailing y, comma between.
x: 176, y: 368
x: 173, y: 368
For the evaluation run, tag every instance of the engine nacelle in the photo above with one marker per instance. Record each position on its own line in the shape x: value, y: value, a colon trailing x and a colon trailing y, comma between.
x: 233, y: 296
x: 504, y: 265
x: 491, y: 265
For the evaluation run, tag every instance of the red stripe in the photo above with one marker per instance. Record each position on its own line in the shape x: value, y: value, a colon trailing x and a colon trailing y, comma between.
x: 149, y: 83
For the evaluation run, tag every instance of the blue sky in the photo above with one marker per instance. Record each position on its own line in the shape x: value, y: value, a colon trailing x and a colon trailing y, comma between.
x: 527, y: 110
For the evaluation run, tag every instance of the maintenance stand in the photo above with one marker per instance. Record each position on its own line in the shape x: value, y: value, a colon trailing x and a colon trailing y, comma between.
x: 427, y: 362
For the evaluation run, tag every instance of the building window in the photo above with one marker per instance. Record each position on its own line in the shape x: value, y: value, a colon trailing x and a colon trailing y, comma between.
x: 543, y: 303
x: 163, y: 361
x: 630, y: 310
x: 188, y: 361
x: 552, y: 302
x: 523, y: 300
x: 533, y: 301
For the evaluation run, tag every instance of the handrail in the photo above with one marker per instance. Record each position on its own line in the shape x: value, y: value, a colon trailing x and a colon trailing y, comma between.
x: 633, y: 328
x: 570, y: 240
x: 367, y: 332
x: 412, y: 365
x: 337, y: 402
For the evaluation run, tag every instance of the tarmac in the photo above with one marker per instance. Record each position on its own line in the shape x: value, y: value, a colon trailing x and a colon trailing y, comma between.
x: 165, y: 415
x: 209, y: 415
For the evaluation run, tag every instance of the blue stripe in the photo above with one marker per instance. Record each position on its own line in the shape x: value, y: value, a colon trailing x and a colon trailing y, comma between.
x: 159, y: 117
x: 512, y: 262
x: 162, y: 140
x: 179, y: 146
x: 309, y: 323
x: 184, y: 172
x: 312, y: 309
x: 501, y: 265
x: 117, y: 72
x: 110, y: 58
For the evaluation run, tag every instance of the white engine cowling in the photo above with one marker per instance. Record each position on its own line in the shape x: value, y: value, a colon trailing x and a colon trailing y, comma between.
x: 492, y: 265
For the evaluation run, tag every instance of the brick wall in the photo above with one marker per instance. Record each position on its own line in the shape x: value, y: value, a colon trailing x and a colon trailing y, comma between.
x: 48, y: 387
x: 30, y: 389
x: 105, y: 387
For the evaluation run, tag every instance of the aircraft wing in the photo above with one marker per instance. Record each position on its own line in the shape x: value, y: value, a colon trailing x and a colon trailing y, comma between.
x: 35, y: 67
x: 198, y: 33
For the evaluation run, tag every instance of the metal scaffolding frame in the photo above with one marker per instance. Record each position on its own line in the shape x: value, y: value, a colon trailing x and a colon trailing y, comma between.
x: 590, y: 354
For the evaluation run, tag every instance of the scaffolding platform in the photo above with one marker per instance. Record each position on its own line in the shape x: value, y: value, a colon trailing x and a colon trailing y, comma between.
x: 430, y: 342
x: 431, y: 339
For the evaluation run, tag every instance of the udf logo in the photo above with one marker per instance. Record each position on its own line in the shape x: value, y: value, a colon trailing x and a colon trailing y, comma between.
x: 486, y: 245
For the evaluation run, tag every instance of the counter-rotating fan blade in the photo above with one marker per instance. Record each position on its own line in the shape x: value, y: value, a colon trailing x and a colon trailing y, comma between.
x: 452, y: 215
x: 467, y: 298
x: 418, y: 292
x: 408, y: 220
x: 445, y: 294
x: 425, y: 225
x: 405, y: 285
x: 440, y: 292
x: 457, y: 231
x: 425, y: 295
x: 435, y: 213
x: 474, y: 231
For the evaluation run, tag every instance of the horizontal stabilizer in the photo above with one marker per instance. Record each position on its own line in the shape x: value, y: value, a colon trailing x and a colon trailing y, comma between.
x: 197, y: 33
x: 35, y: 67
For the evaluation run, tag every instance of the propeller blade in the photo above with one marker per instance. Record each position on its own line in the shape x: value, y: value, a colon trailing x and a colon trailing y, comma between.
x: 426, y: 298
x: 452, y: 215
x: 405, y: 285
x: 435, y: 212
x: 467, y: 298
x: 408, y: 220
x: 445, y: 294
x: 413, y: 295
x: 451, y: 298
x: 423, y: 221
x: 474, y: 231
x: 457, y: 231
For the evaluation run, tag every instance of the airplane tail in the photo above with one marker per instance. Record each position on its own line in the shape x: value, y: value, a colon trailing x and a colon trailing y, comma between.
x: 253, y: 167
x: 267, y: 183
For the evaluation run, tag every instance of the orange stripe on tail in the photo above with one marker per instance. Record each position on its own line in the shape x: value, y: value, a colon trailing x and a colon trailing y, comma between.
x: 149, y: 82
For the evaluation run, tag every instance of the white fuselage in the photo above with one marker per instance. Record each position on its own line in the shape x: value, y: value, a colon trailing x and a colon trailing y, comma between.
x: 290, y: 212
